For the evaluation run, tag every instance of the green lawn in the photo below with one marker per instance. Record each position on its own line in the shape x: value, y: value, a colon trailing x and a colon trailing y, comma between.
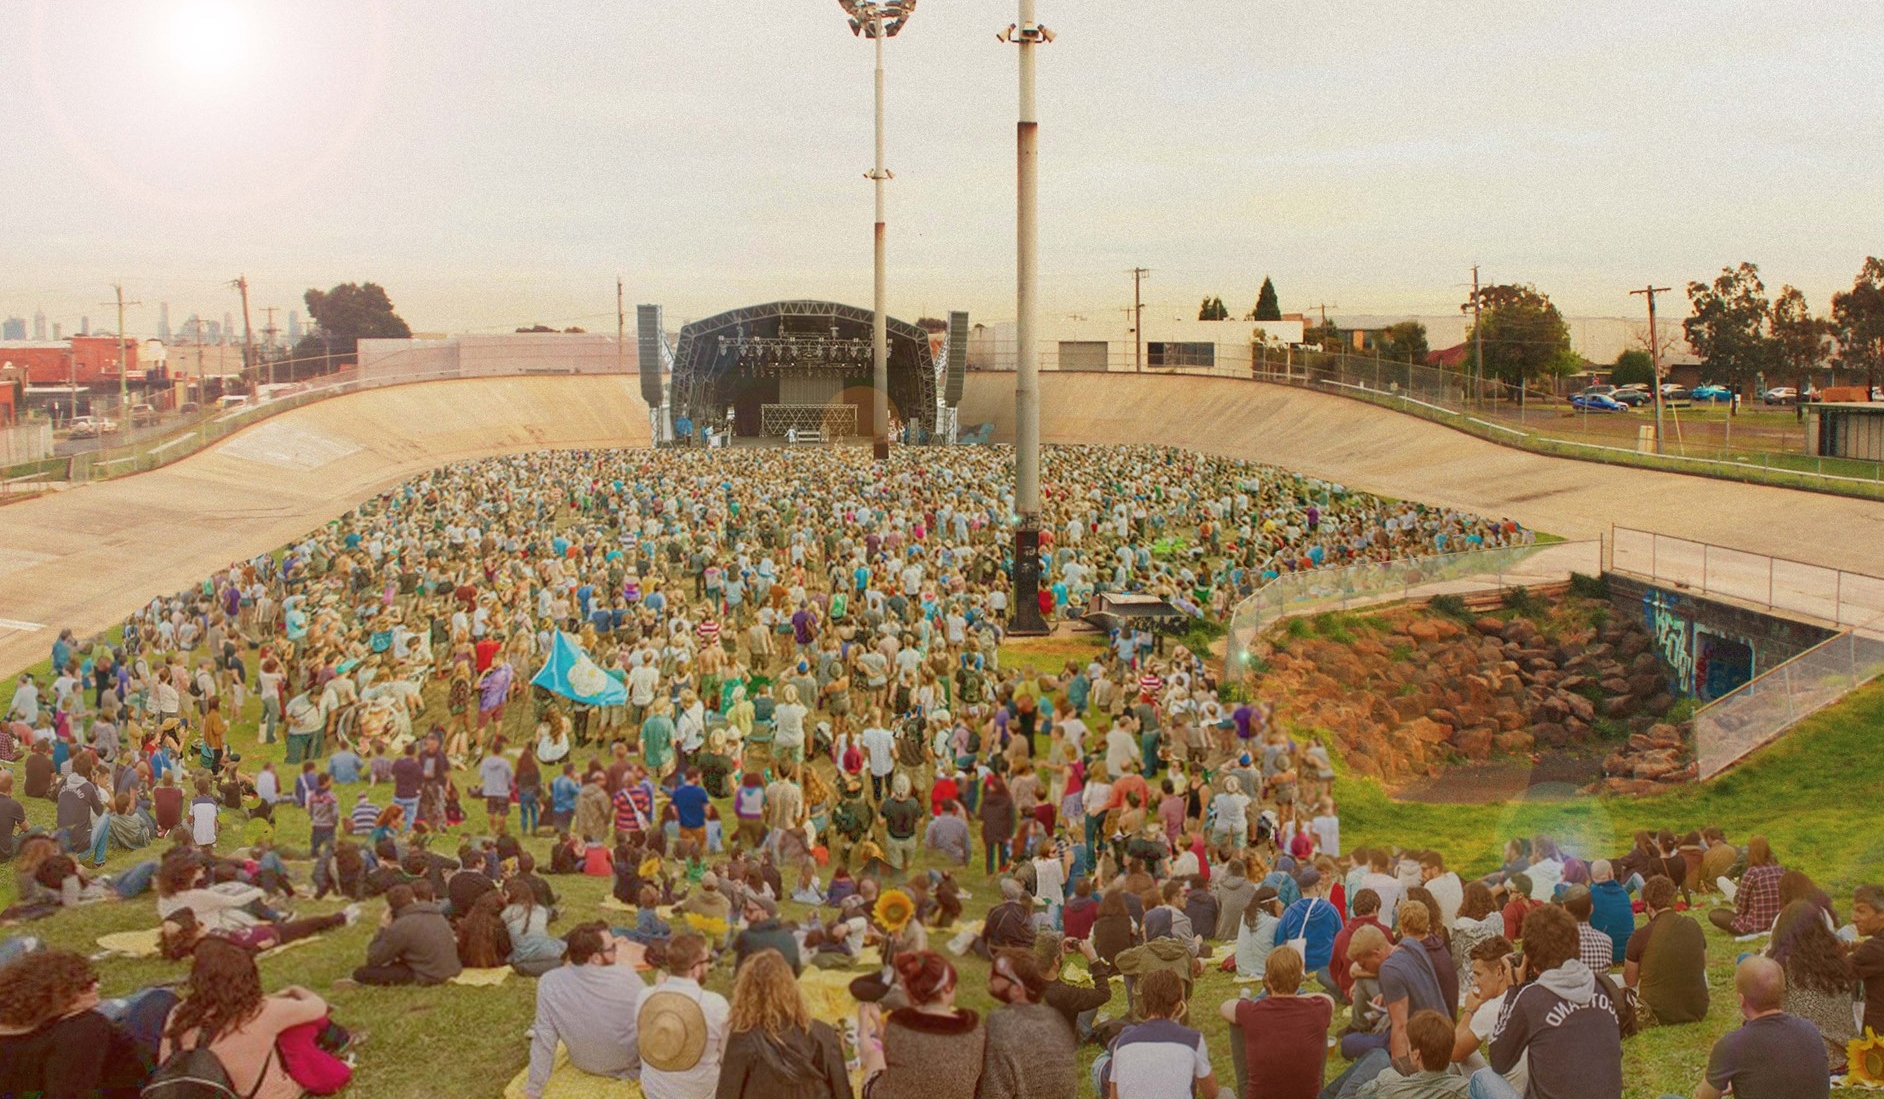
x: 469, y: 1041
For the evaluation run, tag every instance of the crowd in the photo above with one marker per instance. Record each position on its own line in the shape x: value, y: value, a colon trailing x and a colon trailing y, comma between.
x: 808, y: 715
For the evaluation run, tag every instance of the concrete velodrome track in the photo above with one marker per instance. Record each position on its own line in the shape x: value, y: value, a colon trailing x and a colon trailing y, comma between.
x: 88, y: 556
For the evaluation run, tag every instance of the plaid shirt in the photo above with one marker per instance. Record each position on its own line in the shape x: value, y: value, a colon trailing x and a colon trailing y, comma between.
x: 1757, y: 904
x: 1595, y: 948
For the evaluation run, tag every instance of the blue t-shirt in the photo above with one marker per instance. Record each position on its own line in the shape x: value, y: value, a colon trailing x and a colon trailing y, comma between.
x: 1322, y: 924
x: 690, y: 806
x: 563, y: 794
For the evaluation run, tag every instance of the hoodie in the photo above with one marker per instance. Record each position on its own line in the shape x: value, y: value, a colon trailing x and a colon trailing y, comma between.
x: 80, y: 804
x: 1566, y: 1021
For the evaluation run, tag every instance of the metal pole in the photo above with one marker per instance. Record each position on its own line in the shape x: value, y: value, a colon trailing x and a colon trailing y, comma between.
x: 879, y: 331
x: 1026, y: 611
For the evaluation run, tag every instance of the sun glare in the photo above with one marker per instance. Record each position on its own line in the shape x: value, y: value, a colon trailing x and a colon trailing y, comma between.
x: 208, y: 38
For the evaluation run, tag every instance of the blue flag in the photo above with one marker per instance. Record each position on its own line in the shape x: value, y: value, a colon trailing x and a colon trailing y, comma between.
x: 571, y: 673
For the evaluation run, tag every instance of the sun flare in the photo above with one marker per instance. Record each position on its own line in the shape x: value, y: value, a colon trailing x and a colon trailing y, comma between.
x: 208, y: 38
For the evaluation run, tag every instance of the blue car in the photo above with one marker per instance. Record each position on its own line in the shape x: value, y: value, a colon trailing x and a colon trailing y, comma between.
x: 1597, y: 402
x: 1711, y: 394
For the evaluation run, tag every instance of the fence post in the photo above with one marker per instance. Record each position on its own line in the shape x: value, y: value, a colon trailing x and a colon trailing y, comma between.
x: 1769, y: 586
x: 1703, y: 568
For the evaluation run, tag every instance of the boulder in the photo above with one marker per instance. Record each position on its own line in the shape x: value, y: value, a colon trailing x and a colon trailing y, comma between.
x: 1515, y: 742
x: 1474, y: 743
x: 1443, y: 717
x: 1489, y: 626
x: 1424, y: 630
x: 1426, y: 731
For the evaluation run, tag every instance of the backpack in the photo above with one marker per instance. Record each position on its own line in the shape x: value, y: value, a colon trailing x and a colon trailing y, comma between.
x: 197, y: 1073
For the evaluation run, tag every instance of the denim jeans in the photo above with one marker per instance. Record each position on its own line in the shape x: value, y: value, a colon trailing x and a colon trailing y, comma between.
x: 1487, y: 1084
x: 1325, y: 975
x: 1358, y: 1074
x: 411, y: 806
x: 135, y: 880
x: 527, y: 806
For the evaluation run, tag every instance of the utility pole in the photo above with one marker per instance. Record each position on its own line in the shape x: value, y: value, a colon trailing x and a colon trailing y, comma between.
x: 1478, y: 345
x: 248, y: 340
x: 268, y: 334
x: 124, y: 373
x: 621, y: 327
x: 1139, y: 274
x: 1655, y: 356
x: 1026, y: 618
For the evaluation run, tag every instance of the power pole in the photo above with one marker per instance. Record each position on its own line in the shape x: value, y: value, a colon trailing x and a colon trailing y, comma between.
x: 1478, y: 344
x: 124, y: 373
x: 621, y: 327
x: 1655, y: 356
x: 268, y: 334
x: 1139, y: 275
x: 248, y: 340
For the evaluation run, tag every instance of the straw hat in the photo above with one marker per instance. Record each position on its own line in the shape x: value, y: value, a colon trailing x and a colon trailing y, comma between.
x: 672, y: 1031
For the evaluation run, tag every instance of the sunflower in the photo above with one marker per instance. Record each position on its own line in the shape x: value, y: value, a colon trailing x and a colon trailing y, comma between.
x: 1865, y: 1067
x: 894, y: 910
x: 711, y: 928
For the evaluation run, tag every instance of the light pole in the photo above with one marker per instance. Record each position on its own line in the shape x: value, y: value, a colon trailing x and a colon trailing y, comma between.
x: 878, y: 20
x: 1027, y: 618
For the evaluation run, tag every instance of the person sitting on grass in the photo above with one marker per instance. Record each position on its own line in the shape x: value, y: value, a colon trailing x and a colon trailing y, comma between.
x: 1159, y: 1058
x: 590, y: 1007
x: 1772, y: 1055
x: 414, y: 945
x: 1429, y: 1037
x: 1665, y: 962
x: 1283, y: 1032
x: 225, y: 1011
x: 1562, y: 1018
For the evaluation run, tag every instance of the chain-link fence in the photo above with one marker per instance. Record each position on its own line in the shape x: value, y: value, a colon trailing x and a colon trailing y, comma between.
x: 1762, y: 709
x: 1472, y: 572
x: 1843, y: 598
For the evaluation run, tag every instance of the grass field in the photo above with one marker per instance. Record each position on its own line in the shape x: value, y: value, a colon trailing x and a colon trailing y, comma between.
x: 1805, y: 793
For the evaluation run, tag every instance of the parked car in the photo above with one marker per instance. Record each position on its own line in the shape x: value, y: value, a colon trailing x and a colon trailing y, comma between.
x: 1632, y: 396
x: 91, y: 427
x: 1780, y: 394
x: 189, y: 408
x: 1597, y: 402
x: 1711, y: 394
x: 1673, y: 392
x: 143, y: 415
x: 232, y: 400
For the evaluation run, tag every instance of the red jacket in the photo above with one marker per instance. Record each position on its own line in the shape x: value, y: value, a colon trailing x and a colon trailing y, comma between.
x: 1338, y: 963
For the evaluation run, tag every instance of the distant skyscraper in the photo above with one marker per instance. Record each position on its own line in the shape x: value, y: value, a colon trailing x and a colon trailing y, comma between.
x: 214, y: 335
x: 14, y: 328
x: 39, y: 324
x: 294, y: 327
x: 58, y: 331
x: 163, y: 322
x: 228, y: 328
x: 85, y: 325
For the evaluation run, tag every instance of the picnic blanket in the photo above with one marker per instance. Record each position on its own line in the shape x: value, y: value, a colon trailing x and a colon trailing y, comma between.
x: 143, y: 943
x: 566, y: 1081
x: 482, y: 978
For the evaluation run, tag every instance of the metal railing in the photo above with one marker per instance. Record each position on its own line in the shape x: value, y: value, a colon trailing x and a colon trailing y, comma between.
x: 1470, y: 572
x: 1762, y: 709
x: 1845, y: 599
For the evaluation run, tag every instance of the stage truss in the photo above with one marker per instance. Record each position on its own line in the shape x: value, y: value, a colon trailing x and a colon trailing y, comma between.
x: 835, y: 421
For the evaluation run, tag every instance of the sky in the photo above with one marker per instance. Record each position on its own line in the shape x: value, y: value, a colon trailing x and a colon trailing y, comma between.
x: 496, y: 164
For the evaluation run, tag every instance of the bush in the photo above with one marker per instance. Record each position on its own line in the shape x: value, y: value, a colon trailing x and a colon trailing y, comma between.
x: 1524, y: 603
x: 1589, y: 587
x: 1452, y: 606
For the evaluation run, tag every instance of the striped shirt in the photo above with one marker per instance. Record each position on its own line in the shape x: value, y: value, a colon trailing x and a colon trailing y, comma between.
x: 709, y: 631
x: 365, y: 815
x: 1149, y: 685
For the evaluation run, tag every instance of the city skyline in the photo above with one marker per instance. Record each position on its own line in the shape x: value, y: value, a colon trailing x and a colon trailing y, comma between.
x: 1585, y: 152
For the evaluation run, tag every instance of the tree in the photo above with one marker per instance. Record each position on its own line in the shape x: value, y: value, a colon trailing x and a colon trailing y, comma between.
x: 1858, y: 318
x: 1523, y: 334
x: 1798, y: 336
x: 535, y: 328
x: 1326, y: 336
x: 1213, y: 310
x: 1729, y: 327
x: 1268, y: 308
x: 1404, y: 342
x: 347, y: 314
x: 1633, y: 367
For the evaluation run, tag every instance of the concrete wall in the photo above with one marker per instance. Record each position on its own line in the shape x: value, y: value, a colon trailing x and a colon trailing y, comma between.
x: 1706, y: 640
x: 494, y: 356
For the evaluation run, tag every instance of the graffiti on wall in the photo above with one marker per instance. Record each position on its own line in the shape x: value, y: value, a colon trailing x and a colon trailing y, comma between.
x: 1674, y: 638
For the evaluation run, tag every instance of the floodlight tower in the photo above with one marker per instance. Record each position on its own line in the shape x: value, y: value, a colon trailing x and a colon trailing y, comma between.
x: 878, y: 20
x: 1027, y: 618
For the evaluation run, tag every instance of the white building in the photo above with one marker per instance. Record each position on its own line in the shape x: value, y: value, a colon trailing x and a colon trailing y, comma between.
x: 1080, y: 343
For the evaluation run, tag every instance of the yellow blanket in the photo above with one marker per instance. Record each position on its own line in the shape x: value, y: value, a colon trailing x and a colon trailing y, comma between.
x: 569, y: 1082
x: 144, y: 943
x: 482, y: 978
